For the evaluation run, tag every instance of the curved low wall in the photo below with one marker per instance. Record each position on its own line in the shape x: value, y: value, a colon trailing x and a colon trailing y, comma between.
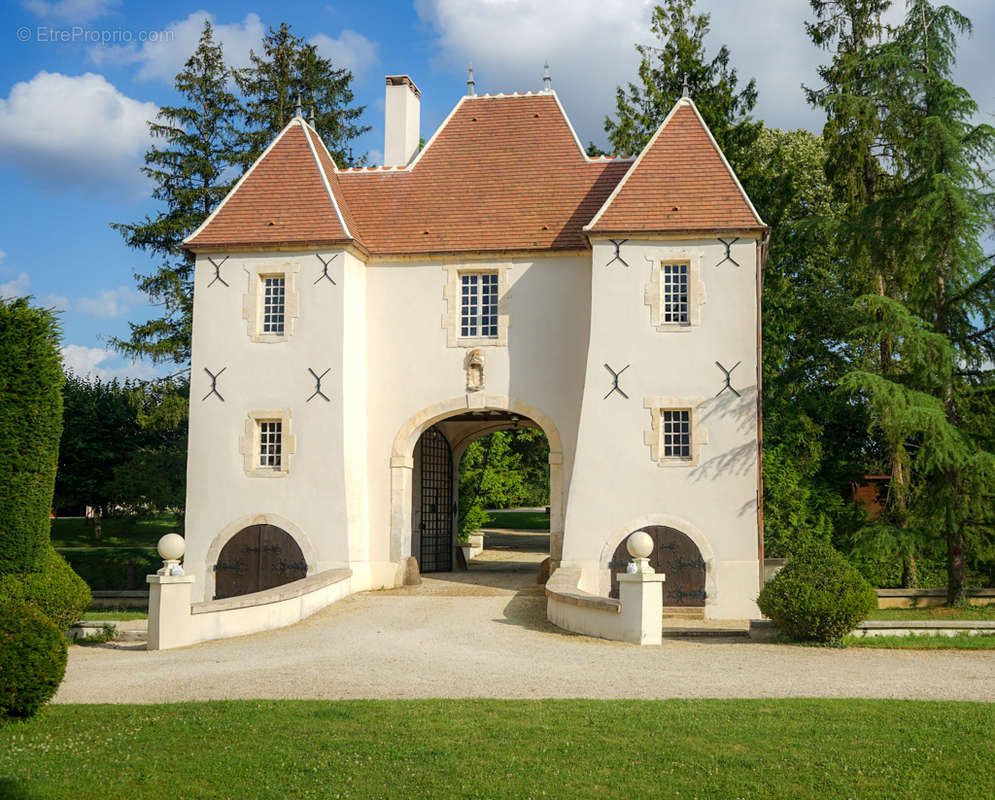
x: 175, y: 622
x: 572, y: 609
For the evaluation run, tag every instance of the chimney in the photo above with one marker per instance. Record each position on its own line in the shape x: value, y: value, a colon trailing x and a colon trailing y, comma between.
x: 402, y: 110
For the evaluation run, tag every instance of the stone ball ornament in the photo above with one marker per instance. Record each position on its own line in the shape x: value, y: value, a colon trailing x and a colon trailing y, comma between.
x: 639, y: 544
x: 171, y: 547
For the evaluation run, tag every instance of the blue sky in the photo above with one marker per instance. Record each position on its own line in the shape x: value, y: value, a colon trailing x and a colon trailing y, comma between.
x: 79, y: 79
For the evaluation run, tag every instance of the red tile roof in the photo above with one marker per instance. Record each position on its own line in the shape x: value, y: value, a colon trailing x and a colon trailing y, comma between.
x: 680, y: 182
x: 503, y: 173
x: 282, y: 199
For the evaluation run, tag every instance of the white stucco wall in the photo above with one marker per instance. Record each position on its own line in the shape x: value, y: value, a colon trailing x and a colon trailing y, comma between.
x: 318, y: 497
x: 393, y: 372
x: 615, y: 486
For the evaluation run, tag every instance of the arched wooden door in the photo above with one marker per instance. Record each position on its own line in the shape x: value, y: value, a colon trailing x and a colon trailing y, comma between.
x: 256, y: 558
x: 437, y: 513
x: 677, y: 557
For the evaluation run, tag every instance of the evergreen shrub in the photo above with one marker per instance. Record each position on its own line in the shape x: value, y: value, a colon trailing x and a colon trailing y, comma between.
x: 57, y: 591
x: 817, y: 596
x: 32, y: 659
x: 30, y: 426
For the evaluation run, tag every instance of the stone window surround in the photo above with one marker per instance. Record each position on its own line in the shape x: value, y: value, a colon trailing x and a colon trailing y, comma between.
x: 252, y: 300
x: 653, y: 438
x: 653, y: 293
x: 248, y: 443
x: 451, y: 294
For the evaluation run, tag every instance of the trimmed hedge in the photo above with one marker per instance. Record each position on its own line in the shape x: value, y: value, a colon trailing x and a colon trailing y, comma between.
x: 818, y: 596
x: 32, y: 659
x: 30, y: 426
x: 57, y: 591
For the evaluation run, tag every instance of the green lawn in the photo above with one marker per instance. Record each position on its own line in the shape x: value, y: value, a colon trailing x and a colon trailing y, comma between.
x: 935, y: 613
x: 115, y: 531
x: 518, y: 520
x: 498, y: 748
x: 925, y: 641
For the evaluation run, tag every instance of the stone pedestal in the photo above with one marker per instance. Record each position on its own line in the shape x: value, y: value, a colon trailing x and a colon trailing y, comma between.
x: 641, y: 597
x: 169, y: 611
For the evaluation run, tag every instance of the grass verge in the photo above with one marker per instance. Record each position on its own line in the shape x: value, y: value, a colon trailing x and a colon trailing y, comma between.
x: 122, y: 614
x: 925, y: 641
x: 504, y: 748
x: 935, y: 612
x: 518, y: 520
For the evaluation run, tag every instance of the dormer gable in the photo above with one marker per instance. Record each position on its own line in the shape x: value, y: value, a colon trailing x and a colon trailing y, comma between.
x: 681, y: 181
x: 289, y: 196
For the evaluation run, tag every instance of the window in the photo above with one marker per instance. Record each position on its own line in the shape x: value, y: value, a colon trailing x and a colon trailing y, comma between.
x: 270, y: 444
x: 675, y: 294
x: 271, y: 303
x: 675, y: 432
x: 479, y: 305
x: 274, y: 303
x: 267, y: 443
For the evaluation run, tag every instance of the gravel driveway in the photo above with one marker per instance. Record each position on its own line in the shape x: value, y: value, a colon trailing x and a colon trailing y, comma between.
x: 484, y: 634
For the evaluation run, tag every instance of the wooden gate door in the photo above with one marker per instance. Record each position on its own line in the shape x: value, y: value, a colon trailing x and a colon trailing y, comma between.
x: 675, y: 555
x: 256, y: 558
x: 436, y: 551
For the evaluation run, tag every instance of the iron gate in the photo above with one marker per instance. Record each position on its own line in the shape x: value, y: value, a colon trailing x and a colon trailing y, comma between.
x: 436, y: 551
x: 256, y: 558
x: 675, y: 555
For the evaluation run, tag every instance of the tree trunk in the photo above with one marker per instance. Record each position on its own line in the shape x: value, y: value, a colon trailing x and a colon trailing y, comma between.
x: 956, y: 563
x: 910, y: 578
x: 96, y: 524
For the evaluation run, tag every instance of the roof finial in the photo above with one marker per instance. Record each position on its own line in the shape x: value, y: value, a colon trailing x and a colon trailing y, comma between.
x: 687, y: 91
x: 471, y: 86
x: 299, y: 112
x: 312, y: 111
x: 547, y: 82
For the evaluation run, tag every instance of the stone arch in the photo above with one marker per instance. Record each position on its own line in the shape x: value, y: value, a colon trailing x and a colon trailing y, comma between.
x: 233, y: 527
x: 688, y: 528
x: 402, y: 464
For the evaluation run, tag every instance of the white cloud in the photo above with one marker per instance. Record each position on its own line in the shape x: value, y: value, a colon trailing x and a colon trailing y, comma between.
x: 3, y: 255
x: 18, y: 287
x: 110, y: 302
x: 75, y: 130
x: 350, y: 50
x: 589, y: 46
x: 92, y: 362
x: 71, y: 10
x: 56, y: 301
x: 164, y: 58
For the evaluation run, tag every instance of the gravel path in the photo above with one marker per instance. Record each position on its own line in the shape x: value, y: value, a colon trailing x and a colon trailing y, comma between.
x: 484, y: 634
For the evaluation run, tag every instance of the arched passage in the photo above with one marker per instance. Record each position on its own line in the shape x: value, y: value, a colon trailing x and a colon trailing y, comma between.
x: 494, y: 413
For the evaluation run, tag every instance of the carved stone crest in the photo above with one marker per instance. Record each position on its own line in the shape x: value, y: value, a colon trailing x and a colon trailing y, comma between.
x: 475, y: 371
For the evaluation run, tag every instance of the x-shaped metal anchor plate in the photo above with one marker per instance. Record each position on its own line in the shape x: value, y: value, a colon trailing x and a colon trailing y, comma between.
x: 728, y: 374
x: 728, y: 255
x: 618, y: 255
x: 217, y: 271
x: 214, y: 383
x: 324, y: 270
x: 317, y: 384
x: 615, y: 386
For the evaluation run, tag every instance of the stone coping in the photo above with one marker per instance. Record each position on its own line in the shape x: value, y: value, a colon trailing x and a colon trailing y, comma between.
x: 143, y: 593
x: 986, y: 592
x: 287, y: 591
x: 562, y: 587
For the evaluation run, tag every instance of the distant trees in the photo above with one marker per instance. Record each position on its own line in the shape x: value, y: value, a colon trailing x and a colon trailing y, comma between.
x: 123, y: 446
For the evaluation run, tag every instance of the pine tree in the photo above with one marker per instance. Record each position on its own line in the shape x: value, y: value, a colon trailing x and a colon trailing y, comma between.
x: 191, y: 170
x: 927, y: 331
x: 662, y: 72
x: 290, y: 71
